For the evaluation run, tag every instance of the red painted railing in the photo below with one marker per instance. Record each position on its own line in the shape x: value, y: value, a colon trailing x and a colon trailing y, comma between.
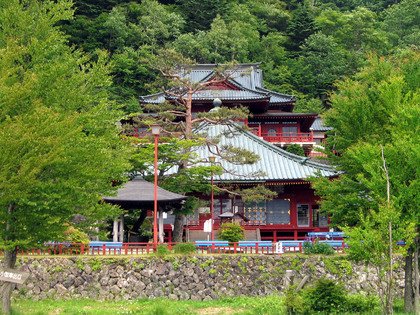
x: 149, y: 248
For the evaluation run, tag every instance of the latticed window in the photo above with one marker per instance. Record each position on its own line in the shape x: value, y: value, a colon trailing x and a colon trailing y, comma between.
x: 256, y: 212
x: 303, y: 215
x: 272, y: 132
x: 289, y: 131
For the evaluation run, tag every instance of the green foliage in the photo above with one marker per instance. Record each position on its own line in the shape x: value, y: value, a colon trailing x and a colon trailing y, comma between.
x: 200, y: 14
x: 295, y: 149
x: 317, y: 248
x: 75, y: 235
x: 401, y: 21
x: 358, y: 303
x: 64, y: 151
x: 231, y: 232
x: 325, y: 296
x: 294, y: 302
x: 301, y: 26
x: 184, y: 248
x: 162, y: 250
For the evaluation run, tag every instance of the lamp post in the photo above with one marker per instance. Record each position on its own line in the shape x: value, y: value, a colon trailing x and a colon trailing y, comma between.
x: 155, y: 132
x: 212, y: 159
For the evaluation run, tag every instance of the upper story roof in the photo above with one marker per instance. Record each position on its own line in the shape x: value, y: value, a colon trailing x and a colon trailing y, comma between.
x: 247, y: 78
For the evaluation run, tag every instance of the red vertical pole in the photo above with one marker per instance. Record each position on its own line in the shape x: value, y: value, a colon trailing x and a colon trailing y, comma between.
x: 82, y: 249
x: 155, y: 208
x: 103, y: 249
x: 211, y: 208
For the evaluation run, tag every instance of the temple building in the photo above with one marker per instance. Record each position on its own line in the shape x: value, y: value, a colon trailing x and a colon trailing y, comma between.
x: 272, y: 126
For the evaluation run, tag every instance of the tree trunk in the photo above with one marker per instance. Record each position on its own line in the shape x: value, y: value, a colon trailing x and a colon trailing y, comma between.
x: 178, y: 228
x: 408, y: 282
x: 7, y: 287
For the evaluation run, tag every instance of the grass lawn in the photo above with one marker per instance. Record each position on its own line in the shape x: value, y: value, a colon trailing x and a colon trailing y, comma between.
x: 271, y: 305
x: 241, y: 305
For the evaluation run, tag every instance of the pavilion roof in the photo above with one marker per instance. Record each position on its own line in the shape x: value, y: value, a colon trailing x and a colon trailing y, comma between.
x: 246, y: 77
x: 140, y: 191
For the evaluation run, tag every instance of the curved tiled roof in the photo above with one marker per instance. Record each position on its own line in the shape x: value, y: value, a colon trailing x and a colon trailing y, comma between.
x: 318, y: 125
x: 139, y: 190
x: 247, y: 77
x: 275, y: 164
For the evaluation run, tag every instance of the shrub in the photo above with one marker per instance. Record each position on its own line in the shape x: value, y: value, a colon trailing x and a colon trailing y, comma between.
x: 74, y: 235
x: 317, y: 248
x: 231, y: 232
x: 325, y: 296
x: 293, y: 301
x: 162, y: 250
x: 358, y: 303
x: 184, y: 248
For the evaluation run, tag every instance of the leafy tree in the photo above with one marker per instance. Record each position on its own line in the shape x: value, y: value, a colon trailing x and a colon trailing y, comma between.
x: 60, y: 145
x: 401, y: 22
x: 301, y: 26
x: 132, y: 76
x: 378, y: 107
x: 272, y: 15
x: 295, y: 149
x: 200, y: 14
x: 322, y: 62
x: 357, y: 31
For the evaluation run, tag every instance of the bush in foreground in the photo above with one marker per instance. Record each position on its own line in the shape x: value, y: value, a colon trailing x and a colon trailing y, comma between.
x: 184, y: 248
x: 328, y: 297
x: 231, y: 232
x: 317, y: 248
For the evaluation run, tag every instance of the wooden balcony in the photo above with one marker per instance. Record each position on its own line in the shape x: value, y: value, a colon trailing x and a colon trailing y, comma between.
x: 299, y: 137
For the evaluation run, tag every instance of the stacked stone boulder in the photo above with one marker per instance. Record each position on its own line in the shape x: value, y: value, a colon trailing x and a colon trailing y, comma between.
x: 186, y: 277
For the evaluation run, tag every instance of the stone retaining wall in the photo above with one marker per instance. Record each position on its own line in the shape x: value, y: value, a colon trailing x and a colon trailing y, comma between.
x: 185, y: 277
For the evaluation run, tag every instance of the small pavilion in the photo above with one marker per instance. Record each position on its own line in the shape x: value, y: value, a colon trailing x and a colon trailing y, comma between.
x: 139, y: 194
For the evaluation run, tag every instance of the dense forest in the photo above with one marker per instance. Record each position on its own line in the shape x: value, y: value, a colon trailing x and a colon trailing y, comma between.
x: 304, y: 47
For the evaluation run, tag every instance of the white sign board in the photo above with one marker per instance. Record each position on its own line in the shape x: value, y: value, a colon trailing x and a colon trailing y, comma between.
x: 207, y: 226
x: 14, y: 276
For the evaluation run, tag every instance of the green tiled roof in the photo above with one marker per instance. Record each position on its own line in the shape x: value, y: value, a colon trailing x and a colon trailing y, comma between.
x: 247, y: 77
x: 275, y: 164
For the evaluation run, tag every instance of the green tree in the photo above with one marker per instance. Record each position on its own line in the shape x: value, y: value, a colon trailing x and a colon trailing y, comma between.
x: 200, y: 14
x: 60, y: 145
x: 402, y: 23
x: 295, y: 149
x: 378, y: 107
x: 357, y: 31
x: 321, y: 63
x: 301, y: 26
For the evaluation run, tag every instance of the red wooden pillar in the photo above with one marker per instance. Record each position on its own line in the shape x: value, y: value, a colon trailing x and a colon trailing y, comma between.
x: 275, y: 236
x: 295, y: 235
